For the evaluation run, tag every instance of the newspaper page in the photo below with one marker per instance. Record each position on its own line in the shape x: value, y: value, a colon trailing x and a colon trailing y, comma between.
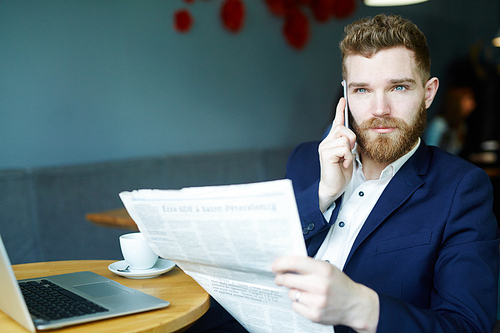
x: 226, y: 238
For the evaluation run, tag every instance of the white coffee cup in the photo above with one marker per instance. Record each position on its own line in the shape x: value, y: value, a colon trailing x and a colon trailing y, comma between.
x: 137, y: 252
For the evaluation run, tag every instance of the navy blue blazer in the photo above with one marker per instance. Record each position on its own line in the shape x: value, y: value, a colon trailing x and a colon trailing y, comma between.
x: 429, y: 248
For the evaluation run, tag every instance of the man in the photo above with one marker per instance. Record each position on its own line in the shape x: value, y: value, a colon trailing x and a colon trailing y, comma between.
x: 402, y: 234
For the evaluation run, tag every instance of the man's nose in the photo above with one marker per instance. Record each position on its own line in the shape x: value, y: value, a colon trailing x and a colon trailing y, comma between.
x: 381, y: 107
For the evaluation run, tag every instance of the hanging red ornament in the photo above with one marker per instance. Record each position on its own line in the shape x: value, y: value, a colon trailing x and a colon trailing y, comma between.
x: 233, y: 15
x: 188, y: 1
x: 183, y: 20
x: 322, y: 9
x: 296, y: 29
x: 343, y: 8
x: 281, y: 7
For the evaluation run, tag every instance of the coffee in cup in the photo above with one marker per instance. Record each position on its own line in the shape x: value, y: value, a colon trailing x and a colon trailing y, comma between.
x: 137, y: 252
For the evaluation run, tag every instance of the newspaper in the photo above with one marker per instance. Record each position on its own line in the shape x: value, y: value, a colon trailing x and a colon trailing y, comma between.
x: 226, y: 238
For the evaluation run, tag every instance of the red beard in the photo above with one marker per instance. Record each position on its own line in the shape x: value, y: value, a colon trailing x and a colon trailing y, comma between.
x: 387, y: 148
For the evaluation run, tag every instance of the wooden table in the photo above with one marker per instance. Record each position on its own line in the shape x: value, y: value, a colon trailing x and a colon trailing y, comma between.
x: 188, y: 301
x: 118, y: 218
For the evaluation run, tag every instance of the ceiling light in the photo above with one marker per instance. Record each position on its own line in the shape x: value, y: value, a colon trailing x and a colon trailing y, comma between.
x: 496, y: 41
x: 381, y: 3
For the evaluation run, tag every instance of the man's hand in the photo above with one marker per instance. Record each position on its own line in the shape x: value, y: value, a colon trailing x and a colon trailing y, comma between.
x: 324, y: 294
x: 335, y: 160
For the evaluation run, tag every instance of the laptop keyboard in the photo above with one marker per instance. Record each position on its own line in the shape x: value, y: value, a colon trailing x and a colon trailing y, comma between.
x: 49, y: 301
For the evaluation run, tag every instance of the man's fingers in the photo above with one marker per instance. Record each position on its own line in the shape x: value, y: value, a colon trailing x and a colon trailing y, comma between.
x: 293, y: 263
x: 342, y: 141
x: 338, y: 129
x: 335, y: 151
x: 301, y: 273
x: 339, y: 113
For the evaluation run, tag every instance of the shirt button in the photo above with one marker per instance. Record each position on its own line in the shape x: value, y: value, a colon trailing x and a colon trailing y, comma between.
x: 361, y: 193
x: 305, y: 231
x: 310, y: 226
x: 341, y: 224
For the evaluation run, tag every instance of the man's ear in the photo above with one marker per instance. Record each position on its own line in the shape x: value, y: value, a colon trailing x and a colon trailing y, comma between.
x: 431, y: 88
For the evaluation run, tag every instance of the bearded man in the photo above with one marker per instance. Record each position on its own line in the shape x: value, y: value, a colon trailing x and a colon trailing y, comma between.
x: 401, y: 235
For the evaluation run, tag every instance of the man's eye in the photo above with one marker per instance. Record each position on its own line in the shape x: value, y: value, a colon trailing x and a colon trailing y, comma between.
x: 400, y: 88
x: 360, y: 90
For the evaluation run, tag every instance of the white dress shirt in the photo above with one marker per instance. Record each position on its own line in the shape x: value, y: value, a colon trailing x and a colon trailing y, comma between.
x: 358, y: 201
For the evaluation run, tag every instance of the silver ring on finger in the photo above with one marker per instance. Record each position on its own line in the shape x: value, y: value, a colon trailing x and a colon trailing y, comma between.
x: 297, y: 296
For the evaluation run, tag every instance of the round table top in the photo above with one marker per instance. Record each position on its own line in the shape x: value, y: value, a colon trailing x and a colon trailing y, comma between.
x: 188, y: 301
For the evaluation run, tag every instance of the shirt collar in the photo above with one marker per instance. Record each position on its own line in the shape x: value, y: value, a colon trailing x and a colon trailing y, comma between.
x: 392, y: 168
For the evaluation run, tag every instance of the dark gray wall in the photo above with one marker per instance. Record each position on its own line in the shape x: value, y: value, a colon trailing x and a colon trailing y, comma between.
x: 95, y: 80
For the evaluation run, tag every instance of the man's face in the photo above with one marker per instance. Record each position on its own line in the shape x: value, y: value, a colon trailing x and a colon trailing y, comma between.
x: 387, y: 101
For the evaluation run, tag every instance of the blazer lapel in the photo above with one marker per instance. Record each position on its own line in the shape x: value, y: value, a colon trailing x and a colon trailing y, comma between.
x: 406, y: 181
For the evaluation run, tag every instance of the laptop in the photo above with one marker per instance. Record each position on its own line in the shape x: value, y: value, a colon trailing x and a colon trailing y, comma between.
x: 86, y: 297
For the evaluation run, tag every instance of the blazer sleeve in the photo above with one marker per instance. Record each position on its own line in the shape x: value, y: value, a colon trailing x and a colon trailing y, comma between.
x: 304, y: 171
x: 465, y: 276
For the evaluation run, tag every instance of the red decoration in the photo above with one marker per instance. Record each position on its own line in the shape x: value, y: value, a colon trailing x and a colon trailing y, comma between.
x: 322, y: 9
x: 281, y: 7
x: 183, y: 20
x: 343, y: 8
x: 233, y: 15
x: 296, y: 29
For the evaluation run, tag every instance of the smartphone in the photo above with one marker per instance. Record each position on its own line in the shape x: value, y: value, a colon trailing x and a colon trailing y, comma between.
x: 346, y: 110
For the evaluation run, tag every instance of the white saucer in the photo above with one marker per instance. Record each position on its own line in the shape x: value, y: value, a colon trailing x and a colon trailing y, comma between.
x: 161, y: 266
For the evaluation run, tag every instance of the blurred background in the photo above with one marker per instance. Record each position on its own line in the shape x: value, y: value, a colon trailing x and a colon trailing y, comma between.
x: 94, y: 80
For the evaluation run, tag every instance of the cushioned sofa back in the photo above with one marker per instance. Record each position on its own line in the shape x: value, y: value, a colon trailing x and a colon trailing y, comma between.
x: 63, y: 195
x: 18, y: 225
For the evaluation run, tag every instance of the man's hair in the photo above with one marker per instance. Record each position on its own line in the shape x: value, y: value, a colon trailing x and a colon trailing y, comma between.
x: 367, y: 36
